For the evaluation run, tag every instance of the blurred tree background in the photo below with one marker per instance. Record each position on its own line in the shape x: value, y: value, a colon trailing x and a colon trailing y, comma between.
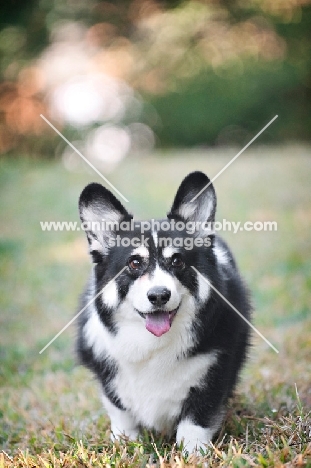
x: 119, y: 76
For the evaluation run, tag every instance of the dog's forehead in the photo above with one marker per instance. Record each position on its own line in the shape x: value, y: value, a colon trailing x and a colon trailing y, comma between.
x: 151, y: 245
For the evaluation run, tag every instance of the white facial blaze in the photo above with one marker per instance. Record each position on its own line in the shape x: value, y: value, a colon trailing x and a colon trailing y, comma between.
x: 155, y: 238
x: 137, y: 295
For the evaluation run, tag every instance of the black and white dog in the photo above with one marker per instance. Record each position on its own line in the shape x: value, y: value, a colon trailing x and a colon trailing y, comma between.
x: 164, y: 344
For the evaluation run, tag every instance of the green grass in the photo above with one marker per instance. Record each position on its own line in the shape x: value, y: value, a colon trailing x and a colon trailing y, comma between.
x: 50, y: 412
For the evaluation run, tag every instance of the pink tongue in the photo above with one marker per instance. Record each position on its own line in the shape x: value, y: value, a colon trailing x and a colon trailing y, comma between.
x: 158, y: 323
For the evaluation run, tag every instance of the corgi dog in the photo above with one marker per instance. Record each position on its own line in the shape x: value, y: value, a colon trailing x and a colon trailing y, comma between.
x: 158, y: 330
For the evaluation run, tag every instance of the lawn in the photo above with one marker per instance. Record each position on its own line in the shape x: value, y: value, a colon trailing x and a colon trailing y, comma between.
x: 50, y: 412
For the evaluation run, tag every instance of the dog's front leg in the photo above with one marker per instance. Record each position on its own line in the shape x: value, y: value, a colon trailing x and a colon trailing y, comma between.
x: 122, y: 422
x: 203, y: 413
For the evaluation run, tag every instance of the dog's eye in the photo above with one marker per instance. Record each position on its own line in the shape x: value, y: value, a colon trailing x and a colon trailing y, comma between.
x: 177, y: 262
x: 135, y: 263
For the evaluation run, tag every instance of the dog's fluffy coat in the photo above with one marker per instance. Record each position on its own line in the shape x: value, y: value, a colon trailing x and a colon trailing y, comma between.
x: 166, y: 348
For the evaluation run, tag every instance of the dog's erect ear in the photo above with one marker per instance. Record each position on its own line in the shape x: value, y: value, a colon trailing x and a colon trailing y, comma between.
x: 101, y: 213
x: 201, y: 209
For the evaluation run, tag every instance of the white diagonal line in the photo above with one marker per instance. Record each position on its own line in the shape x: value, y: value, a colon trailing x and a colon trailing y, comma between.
x: 83, y: 157
x: 79, y: 313
x: 236, y: 310
x: 235, y: 157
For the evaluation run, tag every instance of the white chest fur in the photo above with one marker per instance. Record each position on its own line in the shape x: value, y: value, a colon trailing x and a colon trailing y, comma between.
x: 153, y: 377
x: 154, y: 390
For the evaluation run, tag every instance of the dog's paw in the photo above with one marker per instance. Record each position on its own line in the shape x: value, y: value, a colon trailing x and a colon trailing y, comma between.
x: 195, y: 447
x: 193, y: 438
x: 123, y: 425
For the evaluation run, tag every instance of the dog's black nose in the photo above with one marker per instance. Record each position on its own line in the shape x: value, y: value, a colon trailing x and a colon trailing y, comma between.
x: 158, y: 295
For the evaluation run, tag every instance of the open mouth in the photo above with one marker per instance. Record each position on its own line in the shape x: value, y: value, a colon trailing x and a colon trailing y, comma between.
x: 159, y: 321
